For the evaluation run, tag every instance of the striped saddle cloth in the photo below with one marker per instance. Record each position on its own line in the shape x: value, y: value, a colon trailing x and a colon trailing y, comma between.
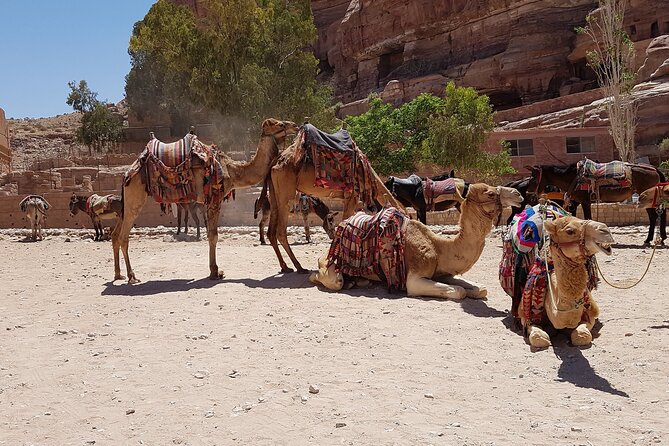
x: 445, y: 190
x: 364, y: 245
x: 615, y: 173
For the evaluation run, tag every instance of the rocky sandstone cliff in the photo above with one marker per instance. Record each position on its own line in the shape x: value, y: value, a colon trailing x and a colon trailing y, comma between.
x: 516, y: 51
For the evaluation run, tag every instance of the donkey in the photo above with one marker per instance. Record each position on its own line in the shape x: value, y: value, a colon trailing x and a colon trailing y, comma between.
x: 35, y: 207
x: 409, y: 192
x: 304, y: 205
x: 98, y: 208
x: 185, y: 208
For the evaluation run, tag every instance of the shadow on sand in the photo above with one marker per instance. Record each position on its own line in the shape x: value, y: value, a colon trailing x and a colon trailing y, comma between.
x: 157, y: 287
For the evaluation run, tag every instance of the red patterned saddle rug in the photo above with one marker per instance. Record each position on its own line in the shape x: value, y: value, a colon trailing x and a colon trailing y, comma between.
x: 364, y: 245
x: 167, y: 170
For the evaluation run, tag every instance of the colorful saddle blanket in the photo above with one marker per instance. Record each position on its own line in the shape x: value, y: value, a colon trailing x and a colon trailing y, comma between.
x: 339, y: 164
x: 614, y: 171
x: 445, y: 190
x: 100, y: 204
x: 167, y: 170
x: 371, y: 244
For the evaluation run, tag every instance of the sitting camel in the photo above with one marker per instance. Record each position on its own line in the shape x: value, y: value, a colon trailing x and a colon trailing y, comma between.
x: 296, y: 170
x: 434, y: 263
x: 35, y: 207
x: 234, y: 175
x: 98, y: 208
x: 305, y: 205
x: 567, y: 302
x: 186, y: 209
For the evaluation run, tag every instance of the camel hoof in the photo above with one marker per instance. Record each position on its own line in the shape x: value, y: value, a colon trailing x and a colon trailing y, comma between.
x: 217, y: 276
x: 313, y: 278
x: 263, y: 242
x: 457, y: 293
x: 133, y: 280
x: 581, y: 336
x: 539, y: 338
x: 119, y: 277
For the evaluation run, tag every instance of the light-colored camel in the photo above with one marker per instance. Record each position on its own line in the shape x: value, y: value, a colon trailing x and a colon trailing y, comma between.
x: 434, y: 263
x: 35, y: 207
x: 568, y: 303
x: 236, y: 175
x: 288, y: 176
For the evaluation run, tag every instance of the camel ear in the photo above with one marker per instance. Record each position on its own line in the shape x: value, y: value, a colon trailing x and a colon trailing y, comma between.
x: 335, y: 213
x: 551, y: 227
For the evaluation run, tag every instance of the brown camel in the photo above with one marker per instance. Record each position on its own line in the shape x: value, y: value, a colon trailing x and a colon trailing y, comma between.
x: 434, y: 263
x: 236, y: 175
x: 293, y: 173
x: 568, y: 302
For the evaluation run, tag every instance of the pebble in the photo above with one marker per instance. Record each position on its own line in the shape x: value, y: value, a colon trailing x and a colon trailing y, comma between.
x: 314, y: 389
x: 129, y: 411
x: 576, y: 429
x: 209, y: 414
x: 234, y: 374
x: 304, y: 398
x: 200, y: 374
x: 429, y: 395
x: 61, y: 332
x: 340, y: 424
x: 629, y: 334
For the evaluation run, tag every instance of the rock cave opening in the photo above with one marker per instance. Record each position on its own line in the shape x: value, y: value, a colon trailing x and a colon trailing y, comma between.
x: 388, y: 63
x: 504, y: 100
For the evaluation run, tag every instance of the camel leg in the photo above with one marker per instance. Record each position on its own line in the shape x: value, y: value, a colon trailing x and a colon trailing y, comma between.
x: 213, y: 212
x: 350, y: 204
x: 263, y: 223
x: 537, y: 337
x: 196, y: 219
x: 474, y: 290
x: 420, y: 286
x: 306, y: 228
x: 581, y: 335
x: 134, y: 198
x: 280, y: 194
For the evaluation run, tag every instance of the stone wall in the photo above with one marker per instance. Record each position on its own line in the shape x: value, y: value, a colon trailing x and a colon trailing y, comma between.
x: 5, y: 152
x: 234, y: 213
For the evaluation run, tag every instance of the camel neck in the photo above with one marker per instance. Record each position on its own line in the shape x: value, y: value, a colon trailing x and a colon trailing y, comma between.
x: 250, y: 173
x: 571, y: 279
x: 466, y: 247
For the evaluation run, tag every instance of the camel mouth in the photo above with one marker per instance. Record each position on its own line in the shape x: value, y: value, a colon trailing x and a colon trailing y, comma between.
x: 604, y: 248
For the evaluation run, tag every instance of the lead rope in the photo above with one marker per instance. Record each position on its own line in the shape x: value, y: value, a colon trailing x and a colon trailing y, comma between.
x: 656, y: 242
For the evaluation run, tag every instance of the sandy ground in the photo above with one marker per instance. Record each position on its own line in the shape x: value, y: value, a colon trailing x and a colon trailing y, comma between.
x: 180, y: 359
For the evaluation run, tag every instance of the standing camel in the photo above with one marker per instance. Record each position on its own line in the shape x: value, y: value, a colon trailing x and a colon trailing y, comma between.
x: 295, y: 171
x: 643, y: 178
x: 433, y: 263
x: 184, y: 209
x: 98, y: 208
x: 35, y: 207
x: 235, y: 175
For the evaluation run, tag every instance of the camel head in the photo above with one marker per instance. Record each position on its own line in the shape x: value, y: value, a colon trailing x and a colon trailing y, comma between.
x: 492, y: 199
x: 578, y: 238
x: 329, y: 224
x: 327, y: 277
x: 279, y: 129
x: 653, y: 197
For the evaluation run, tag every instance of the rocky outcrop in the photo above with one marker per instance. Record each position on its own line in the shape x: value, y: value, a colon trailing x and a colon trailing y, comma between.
x: 516, y: 51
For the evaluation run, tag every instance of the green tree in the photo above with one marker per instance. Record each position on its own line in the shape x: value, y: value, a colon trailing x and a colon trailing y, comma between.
x: 457, y: 133
x: 247, y: 59
x: 448, y: 132
x: 100, y: 127
x: 81, y: 98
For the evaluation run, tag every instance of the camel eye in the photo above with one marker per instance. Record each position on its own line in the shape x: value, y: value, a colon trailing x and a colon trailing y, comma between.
x: 570, y: 231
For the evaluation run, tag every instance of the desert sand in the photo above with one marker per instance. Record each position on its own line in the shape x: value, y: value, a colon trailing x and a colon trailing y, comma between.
x: 182, y: 360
